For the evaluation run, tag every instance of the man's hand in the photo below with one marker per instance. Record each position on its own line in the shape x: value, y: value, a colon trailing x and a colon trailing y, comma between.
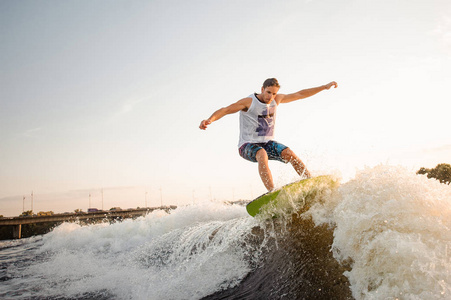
x: 203, y: 125
x: 330, y: 84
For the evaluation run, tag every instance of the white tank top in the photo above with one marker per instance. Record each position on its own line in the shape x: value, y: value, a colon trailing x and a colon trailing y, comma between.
x: 257, y: 123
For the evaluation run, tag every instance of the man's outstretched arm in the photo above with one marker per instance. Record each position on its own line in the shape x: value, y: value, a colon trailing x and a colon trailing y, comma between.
x: 305, y: 93
x: 242, y: 104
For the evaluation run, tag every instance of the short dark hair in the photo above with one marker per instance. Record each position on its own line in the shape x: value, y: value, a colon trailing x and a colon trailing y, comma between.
x: 271, y: 82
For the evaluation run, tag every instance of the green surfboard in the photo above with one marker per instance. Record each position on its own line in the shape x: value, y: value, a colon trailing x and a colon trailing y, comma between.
x: 306, y: 187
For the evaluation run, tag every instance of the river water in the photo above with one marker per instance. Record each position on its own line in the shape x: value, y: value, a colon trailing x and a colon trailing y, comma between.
x: 385, y: 234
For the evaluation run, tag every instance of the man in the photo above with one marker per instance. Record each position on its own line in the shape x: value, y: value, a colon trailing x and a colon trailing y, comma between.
x: 257, y: 120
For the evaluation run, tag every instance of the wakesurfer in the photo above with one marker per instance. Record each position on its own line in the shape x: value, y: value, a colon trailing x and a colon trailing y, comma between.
x: 257, y: 121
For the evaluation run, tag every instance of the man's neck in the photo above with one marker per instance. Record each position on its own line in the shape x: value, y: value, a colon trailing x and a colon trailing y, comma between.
x: 258, y: 98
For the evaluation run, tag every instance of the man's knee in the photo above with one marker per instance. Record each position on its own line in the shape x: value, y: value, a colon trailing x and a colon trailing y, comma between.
x: 261, y: 155
x: 288, y: 155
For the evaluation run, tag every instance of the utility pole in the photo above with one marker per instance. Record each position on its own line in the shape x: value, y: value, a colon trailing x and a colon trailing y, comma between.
x: 23, y: 204
x: 31, y: 201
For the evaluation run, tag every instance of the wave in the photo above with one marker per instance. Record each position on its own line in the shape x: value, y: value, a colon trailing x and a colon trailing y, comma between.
x: 393, y: 228
x: 384, y: 234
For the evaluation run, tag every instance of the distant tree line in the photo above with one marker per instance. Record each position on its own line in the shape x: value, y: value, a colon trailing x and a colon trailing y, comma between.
x: 441, y: 172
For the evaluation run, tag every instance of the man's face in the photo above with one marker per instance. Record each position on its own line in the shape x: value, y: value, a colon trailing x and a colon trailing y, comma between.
x: 269, y: 93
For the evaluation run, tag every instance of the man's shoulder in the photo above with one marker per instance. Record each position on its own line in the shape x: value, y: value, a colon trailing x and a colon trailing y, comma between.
x: 245, y: 103
x: 246, y: 100
x: 279, y: 98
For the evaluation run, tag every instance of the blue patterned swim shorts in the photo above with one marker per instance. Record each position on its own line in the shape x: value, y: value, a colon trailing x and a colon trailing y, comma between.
x: 274, y: 150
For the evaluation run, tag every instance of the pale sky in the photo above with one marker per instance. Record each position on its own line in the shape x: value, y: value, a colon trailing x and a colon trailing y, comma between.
x: 109, y: 94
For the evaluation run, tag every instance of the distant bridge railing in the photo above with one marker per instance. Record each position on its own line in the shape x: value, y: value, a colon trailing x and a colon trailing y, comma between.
x: 17, y: 222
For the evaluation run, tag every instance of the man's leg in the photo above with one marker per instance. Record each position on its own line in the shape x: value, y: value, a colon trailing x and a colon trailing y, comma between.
x: 296, y: 162
x: 263, y: 169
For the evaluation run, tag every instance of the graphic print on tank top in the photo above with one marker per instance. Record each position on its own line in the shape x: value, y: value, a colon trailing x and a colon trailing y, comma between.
x: 266, y: 122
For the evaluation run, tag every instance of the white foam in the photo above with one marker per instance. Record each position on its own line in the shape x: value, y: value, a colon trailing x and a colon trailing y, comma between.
x: 395, y: 228
x: 186, y: 254
x: 391, y: 226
